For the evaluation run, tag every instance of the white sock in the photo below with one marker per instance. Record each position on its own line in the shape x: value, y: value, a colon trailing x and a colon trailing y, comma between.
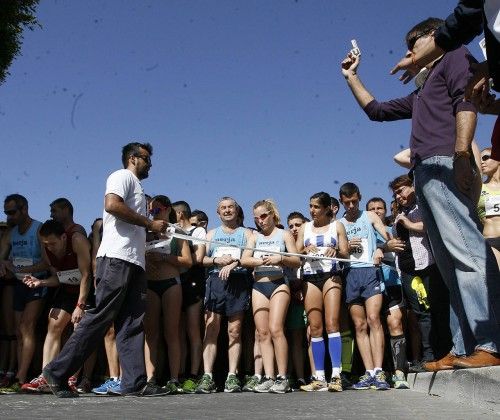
x: 320, y: 375
x: 336, y: 372
x: 371, y: 373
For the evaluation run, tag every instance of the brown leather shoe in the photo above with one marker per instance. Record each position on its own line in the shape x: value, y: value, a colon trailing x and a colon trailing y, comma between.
x: 479, y: 358
x: 446, y: 363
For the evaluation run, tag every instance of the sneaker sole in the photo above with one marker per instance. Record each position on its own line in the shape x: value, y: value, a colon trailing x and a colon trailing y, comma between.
x: 233, y: 391
x: 199, y: 391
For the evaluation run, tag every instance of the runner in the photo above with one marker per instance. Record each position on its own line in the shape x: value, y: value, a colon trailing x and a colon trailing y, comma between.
x: 22, y: 243
x: 363, y: 285
x: 68, y: 254
x: 226, y: 294
x: 61, y: 210
x: 164, y: 296
x: 199, y: 219
x: 271, y: 293
x: 323, y: 288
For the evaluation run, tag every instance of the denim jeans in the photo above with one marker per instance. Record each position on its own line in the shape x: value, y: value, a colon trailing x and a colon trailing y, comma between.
x: 463, y: 256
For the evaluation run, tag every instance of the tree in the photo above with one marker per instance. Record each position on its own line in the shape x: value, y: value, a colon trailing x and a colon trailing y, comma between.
x: 15, y: 15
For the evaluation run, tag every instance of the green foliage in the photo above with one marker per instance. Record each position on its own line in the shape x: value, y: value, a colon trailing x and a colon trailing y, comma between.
x: 15, y: 15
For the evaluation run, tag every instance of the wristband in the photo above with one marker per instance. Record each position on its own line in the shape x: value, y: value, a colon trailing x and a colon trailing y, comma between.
x: 213, y: 261
x: 239, y: 263
x: 80, y: 305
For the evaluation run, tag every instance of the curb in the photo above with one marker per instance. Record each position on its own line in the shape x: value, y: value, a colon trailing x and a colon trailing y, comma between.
x: 474, y: 387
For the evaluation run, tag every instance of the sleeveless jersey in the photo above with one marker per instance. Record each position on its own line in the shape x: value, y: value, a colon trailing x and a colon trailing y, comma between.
x: 362, y: 228
x: 273, y: 243
x: 236, y: 238
x: 489, y: 202
x: 322, y: 241
x: 25, y: 248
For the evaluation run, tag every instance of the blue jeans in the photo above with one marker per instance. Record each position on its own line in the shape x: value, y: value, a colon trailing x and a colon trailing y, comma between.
x: 464, y: 258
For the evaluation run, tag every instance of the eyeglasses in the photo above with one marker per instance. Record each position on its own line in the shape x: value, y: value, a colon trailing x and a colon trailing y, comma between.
x: 11, y: 212
x: 263, y: 216
x: 484, y: 158
x: 146, y: 159
x: 155, y: 211
x: 412, y: 41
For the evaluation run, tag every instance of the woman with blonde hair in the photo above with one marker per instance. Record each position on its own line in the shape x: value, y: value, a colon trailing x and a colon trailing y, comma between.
x: 271, y: 293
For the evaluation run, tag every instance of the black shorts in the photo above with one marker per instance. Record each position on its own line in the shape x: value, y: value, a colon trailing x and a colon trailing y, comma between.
x: 161, y: 286
x: 24, y: 295
x: 319, y: 279
x: 267, y: 288
x: 393, y: 298
x: 227, y: 297
x: 65, y: 299
x: 193, y: 286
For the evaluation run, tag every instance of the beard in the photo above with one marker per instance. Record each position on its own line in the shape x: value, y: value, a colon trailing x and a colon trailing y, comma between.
x: 143, y: 174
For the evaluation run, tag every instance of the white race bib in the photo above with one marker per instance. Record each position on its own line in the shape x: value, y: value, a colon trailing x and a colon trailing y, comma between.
x: 263, y: 253
x: 492, y: 205
x: 20, y: 262
x: 71, y: 277
x: 154, y: 246
x: 362, y: 253
x: 315, y: 266
x: 231, y: 251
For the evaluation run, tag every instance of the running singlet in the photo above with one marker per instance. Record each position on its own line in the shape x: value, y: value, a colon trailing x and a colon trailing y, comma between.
x: 25, y: 248
x: 362, y: 228
x: 391, y: 276
x: 236, y: 238
x: 67, y: 267
x: 322, y: 241
x: 489, y: 203
x: 274, y: 243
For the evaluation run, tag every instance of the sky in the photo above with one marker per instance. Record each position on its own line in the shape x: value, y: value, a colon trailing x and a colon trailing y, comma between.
x: 240, y: 98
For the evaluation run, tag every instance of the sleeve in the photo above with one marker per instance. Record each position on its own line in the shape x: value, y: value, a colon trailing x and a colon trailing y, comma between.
x: 457, y: 72
x: 117, y: 183
x: 396, y: 109
x: 462, y: 26
x: 199, y: 233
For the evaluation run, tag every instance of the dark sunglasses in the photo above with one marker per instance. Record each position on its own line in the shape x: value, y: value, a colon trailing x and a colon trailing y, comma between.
x: 484, y: 158
x: 412, y: 41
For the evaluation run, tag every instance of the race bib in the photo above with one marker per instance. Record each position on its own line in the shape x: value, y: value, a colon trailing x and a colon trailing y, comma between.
x: 71, y: 277
x: 161, y: 246
x: 20, y: 262
x: 492, y: 205
x: 361, y: 254
x: 262, y: 253
x: 233, y: 252
x: 318, y: 266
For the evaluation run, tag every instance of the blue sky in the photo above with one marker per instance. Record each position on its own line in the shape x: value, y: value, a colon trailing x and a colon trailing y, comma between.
x: 239, y: 98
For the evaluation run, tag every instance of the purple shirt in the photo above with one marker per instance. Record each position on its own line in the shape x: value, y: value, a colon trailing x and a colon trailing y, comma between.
x: 433, y: 107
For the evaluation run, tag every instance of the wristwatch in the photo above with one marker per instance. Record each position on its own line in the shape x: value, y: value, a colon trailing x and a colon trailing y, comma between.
x: 80, y: 305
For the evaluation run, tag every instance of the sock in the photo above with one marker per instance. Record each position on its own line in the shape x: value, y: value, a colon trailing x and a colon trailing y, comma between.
x: 318, y: 351
x: 376, y: 370
x: 209, y: 374
x: 230, y: 374
x: 347, y: 348
x: 398, y: 350
x: 335, y: 349
x: 258, y: 376
x: 335, y: 372
x: 370, y: 372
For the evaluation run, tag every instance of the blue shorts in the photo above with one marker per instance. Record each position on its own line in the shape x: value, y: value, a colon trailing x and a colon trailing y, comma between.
x: 362, y: 283
x: 227, y: 297
x: 24, y: 295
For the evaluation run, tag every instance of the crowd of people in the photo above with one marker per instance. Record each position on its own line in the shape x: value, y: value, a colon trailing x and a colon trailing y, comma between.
x: 349, y: 297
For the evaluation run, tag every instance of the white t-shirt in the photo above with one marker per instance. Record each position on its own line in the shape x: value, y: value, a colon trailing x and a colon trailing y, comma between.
x: 121, y: 239
x: 198, y: 233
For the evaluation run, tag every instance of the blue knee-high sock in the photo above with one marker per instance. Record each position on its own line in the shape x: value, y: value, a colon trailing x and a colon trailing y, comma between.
x: 335, y: 349
x: 318, y: 351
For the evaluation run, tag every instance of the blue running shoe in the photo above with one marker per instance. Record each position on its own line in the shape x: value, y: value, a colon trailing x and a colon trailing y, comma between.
x: 379, y: 381
x: 104, y: 388
x: 365, y: 382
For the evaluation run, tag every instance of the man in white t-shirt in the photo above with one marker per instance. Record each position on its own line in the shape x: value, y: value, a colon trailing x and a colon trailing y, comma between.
x: 121, y: 283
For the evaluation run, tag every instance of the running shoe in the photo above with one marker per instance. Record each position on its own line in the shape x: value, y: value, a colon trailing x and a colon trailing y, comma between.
x: 250, y: 383
x: 5, y: 381
x: 59, y: 389
x: 315, y: 385
x: 335, y: 385
x: 379, y: 381
x: 206, y: 385
x: 115, y: 389
x: 281, y: 386
x: 232, y: 384
x: 152, y: 390
x: 264, y: 386
x: 365, y: 382
x: 399, y: 380
x: 39, y: 384
x: 14, y: 388
x: 173, y: 387
x: 189, y: 386
x: 103, y: 389
x: 346, y: 380
x: 84, y: 386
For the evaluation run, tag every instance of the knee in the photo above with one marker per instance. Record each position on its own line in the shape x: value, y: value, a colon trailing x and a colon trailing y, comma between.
x: 263, y: 334
x: 316, y: 329
x: 234, y: 333
x: 110, y: 335
x: 276, y: 331
x: 360, y: 325
x: 373, y: 320
x: 332, y: 325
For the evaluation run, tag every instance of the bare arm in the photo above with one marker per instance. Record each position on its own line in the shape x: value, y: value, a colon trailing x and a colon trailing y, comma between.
x: 403, y: 158
x: 343, y: 247
x: 349, y: 71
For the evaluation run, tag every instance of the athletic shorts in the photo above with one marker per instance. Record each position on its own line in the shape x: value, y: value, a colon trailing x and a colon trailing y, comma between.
x: 193, y: 288
x: 24, y: 295
x: 65, y: 299
x: 296, y: 318
x: 362, y: 283
x: 227, y: 297
x: 393, y: 298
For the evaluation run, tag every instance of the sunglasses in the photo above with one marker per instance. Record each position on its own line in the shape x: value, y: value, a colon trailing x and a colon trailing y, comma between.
x: 263, y: 216
x: 155, y: 211
x: 484, y: 158
x: 412, y: 41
